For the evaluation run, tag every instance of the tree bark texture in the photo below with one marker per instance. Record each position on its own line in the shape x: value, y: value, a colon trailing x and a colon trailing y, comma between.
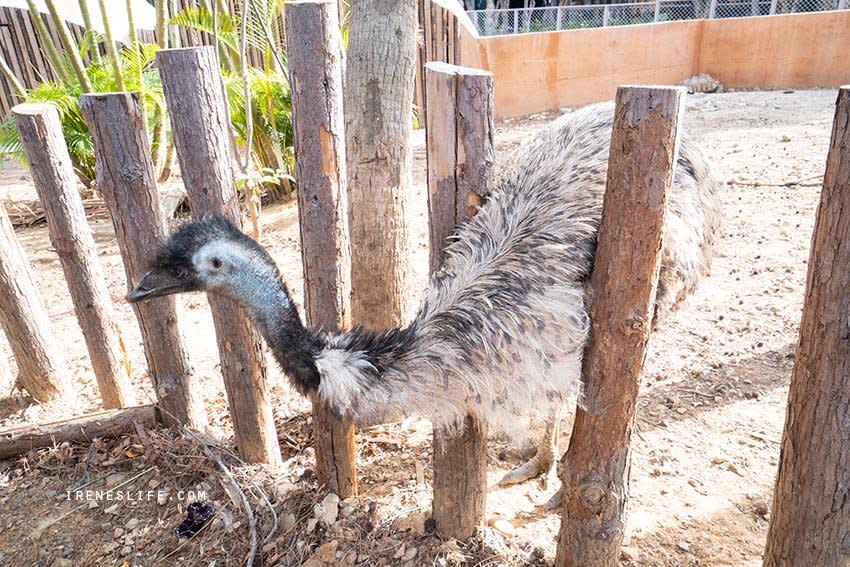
x: 595, y: 470
x: 41, y: 367
x: 41, y: 136
x: 379, y: 76
x: 314, y: 49
x: 191, y: 80
x: 810, y: 522
x: 125, y: 178
x: 459, y: 137
x: 108, y: 423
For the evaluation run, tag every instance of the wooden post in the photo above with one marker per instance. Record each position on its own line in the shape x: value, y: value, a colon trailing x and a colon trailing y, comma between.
x: 315, y: 63
x: 41, y: 136
x: 41, y: 368
x: 460, y: 151
x: 191, y: 80
x: 125, y: 177
x: 625, y: 276
x: 811, y: 502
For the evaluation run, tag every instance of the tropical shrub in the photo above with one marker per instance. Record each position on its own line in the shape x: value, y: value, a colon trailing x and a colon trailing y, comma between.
x: 65, y: 95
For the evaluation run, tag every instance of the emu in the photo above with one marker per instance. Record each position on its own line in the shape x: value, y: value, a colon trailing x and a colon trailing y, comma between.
x: 502, y: 327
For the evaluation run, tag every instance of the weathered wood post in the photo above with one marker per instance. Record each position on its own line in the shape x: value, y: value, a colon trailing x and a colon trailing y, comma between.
x: 595, y: 469
x: 314, y: 48
x: 810, y: 522
x: 459, y: 135
x: 191, y: 80
x: 41, y: 136
x: 41, y: 367
x: 125, y: 177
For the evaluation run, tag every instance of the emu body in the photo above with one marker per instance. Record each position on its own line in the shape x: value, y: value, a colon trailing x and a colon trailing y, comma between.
x: 503, y: 324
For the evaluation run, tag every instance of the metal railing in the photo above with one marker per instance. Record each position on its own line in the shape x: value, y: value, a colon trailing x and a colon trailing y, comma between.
x: 556, y: 18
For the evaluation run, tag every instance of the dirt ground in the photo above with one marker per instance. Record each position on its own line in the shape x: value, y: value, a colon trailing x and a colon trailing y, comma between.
x: 709, y: 421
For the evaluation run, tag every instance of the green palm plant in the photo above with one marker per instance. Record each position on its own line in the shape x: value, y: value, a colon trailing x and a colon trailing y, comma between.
x: 136, y: 73
x: 272, y: 135
x: 259, y: 34
x: 270, y: 104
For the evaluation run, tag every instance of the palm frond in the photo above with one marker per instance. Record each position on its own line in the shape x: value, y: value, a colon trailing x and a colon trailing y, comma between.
x: 135, y: 62
x: 91, y: 39
x: 10, y: 143
x: 199, y: 18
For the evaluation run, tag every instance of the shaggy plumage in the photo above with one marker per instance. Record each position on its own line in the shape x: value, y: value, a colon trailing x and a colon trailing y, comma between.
x: 501, y: 331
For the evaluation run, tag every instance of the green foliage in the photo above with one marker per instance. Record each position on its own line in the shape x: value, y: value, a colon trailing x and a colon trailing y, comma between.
x: 271, y: 106
x: 271, y: 111
x: 258, y: 34
x: 198, y: 18
x: 65, y: 97
x: 271, y: 114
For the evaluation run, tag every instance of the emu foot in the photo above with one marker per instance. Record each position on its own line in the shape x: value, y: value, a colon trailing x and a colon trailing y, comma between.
x: 555, y: 501
x: 536, y: 466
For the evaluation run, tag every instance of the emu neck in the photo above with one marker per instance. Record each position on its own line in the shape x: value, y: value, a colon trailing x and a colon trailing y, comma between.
x: 264, y: 295
x: 347, y: 366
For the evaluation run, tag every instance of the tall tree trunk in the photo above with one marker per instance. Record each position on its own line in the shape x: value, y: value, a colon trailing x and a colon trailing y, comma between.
x: 811, y: 502
x: 378, y: 124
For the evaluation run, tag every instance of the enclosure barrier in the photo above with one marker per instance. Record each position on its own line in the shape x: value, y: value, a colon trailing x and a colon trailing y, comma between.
x: 125, y: 178
x: 810, y: 521
x: 194, y: 92
x: 42, y: 370
x: 315, y: 65
x: 459, y: 142
x: 41, y: 135
x: 595, y: 469
x: 504, y: 21
x: 23, y: 46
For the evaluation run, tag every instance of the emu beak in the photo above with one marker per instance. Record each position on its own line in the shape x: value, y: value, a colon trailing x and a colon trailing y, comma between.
x: 157, y: 283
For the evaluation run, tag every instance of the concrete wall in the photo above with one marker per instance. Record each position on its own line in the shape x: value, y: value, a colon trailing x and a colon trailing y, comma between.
x: 545, y: 71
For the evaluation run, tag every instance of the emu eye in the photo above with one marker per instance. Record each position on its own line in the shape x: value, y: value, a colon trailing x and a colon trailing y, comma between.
x: 216, y: 263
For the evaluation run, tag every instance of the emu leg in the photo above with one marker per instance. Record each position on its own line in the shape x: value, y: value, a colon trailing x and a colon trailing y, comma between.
x: 544, y: 460
x: 556, y: 500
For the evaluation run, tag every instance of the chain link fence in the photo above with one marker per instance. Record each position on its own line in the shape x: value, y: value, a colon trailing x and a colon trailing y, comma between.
x: 556, y: 18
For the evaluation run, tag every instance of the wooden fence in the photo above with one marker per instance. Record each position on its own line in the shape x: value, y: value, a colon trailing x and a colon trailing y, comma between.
x: 23, y: 48
x: 439, y: 41
x: 459, y: 152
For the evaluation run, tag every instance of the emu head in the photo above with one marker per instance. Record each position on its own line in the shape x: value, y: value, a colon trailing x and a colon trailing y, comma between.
x: 212, y: 255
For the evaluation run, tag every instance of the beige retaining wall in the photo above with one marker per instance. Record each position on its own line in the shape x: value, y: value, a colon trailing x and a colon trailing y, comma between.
x: 545, y: 71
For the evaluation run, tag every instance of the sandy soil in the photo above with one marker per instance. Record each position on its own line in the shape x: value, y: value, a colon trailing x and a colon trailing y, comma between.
x: 709, y: 421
